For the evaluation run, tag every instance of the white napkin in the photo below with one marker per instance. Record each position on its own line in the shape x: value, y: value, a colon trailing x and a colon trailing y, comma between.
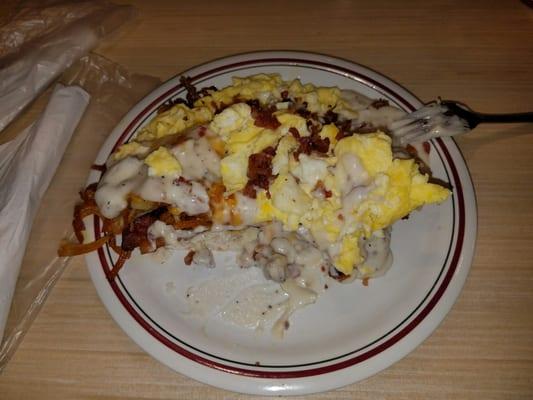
x: 27, y: 165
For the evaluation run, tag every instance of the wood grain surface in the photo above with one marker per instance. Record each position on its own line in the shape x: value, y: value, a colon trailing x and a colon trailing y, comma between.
x: 479, y: 52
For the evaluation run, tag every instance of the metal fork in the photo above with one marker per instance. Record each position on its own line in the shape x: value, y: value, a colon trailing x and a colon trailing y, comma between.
x: 445, y: 118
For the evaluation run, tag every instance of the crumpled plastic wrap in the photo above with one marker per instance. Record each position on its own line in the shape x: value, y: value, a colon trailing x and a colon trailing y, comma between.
x: 113, y: 91
x: 29, y: 67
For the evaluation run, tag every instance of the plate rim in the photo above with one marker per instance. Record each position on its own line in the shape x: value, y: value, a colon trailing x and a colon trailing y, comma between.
x: 292, y: 383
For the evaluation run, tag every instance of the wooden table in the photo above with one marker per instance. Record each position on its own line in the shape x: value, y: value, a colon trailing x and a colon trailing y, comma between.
x: 476, y: 51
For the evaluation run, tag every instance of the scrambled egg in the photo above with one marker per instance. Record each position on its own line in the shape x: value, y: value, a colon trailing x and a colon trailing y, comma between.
x: 265, y: 88
x: 128, y: 150
x: 175, y: 120
x: 367, y: 189
x: 162, y: 162
x: 393, y: 187
x: 235, y: 126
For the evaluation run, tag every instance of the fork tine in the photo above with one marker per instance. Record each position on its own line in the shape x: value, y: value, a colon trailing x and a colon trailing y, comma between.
x: 432, y: 129
x: 423, y: 113
x: 401, y: 123
x: 428, y: 111
x: 415, y: 125
x: 417, y: 136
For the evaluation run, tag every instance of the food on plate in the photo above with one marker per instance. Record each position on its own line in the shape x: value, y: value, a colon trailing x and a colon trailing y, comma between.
x: 300, y: 180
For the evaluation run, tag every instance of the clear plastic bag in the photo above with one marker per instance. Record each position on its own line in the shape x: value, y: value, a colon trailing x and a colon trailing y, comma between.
x: 113, y: 92
x: 41, y: 42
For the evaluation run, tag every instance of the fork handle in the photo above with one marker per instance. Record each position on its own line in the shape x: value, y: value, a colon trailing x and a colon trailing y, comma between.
x: 518, y: 117
x: 474, y: 118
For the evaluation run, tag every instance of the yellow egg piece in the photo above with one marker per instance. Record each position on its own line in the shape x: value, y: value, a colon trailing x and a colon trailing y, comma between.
x: 264, y: 87
x: 349, y: 255
x: 175, y: 120
x: 423, y: 192
x: 328, y: 97
x: 280, y: 162
x: 233, y: 169
x: 397, y: 193
x: 265, y: 139
x: 329, y: 131
x: 289, y: 120
x: 267, y: 211
x: 232, y: 121
x: 129, y: 149
x: 373, y: 149
x: 162, y: 162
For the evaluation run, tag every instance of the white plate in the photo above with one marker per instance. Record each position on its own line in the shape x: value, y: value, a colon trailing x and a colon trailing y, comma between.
x: 352, y: 331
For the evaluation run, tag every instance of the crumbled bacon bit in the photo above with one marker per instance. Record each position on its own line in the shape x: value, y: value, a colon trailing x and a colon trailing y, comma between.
x: 285, y: 94
x: 313, y: 128
x: 322, y: 188
x: 411, y: 150
x: 422, y: 166
x: 427, y: 147
x: 259, y: 171
x: 167, y: 217
x: 305, y: 113
x: 136, y: 234
x: 379, y: 103
x: 169, y: 104
x: 337, y: 275
x: 260, y: 167
x: 187, y: 222
x: 192, y: 94
x: 181, y: 180
x: 340, y: 217
x: 265, y: 118
x: 205, y: 91
x: 346, y: 129
x: 312, y: 143
x: 253, y: 103
x: 294, y: 132
x: 365, y: 281
x: 188, y: 258
x: 340, y: 135
x: 249, y: 190
x: 330, y: 117
x: 440, y: 182
x: 201, y: 131
x: 87, y: 195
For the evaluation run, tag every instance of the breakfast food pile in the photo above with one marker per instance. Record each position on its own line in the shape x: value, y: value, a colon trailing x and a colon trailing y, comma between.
x: 292, y: 176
